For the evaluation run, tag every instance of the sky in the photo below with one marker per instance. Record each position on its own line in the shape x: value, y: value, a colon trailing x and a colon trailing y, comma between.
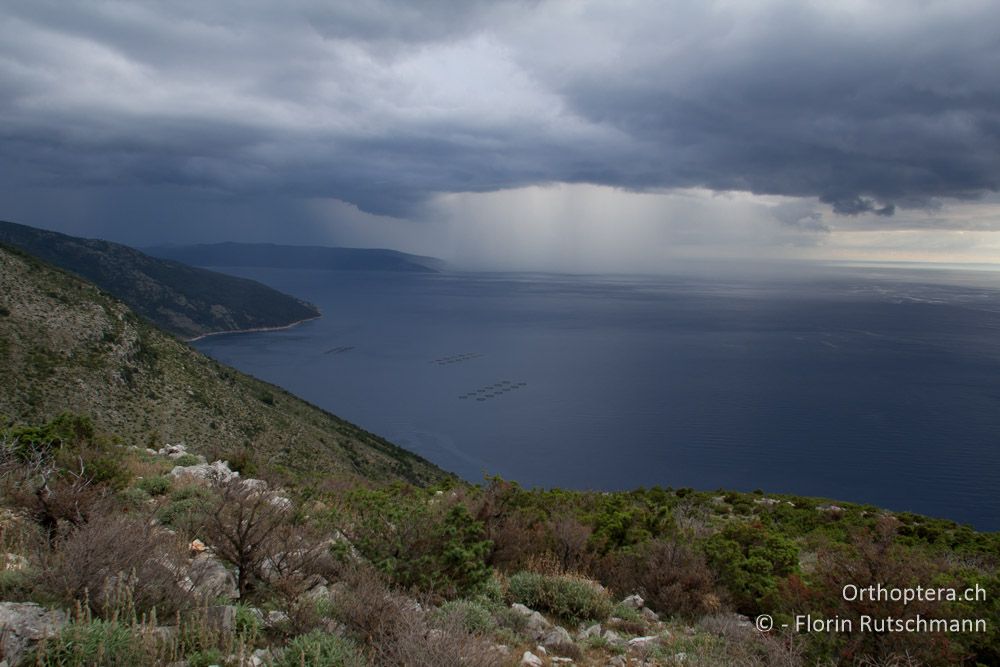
x: 529, y: 134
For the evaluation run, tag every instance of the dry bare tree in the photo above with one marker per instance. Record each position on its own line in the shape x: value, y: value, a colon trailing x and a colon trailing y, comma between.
x: 240, y: 524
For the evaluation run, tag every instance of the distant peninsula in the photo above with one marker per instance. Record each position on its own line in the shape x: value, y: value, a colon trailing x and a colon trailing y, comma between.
x: 270, y: 255
x: 186, y: 301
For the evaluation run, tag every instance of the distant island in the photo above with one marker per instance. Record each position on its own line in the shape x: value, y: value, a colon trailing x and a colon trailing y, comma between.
x: 186, y: 301
x: 270, y: 255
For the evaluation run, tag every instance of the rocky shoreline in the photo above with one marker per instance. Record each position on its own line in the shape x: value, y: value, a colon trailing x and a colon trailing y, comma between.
x: 254, y: 329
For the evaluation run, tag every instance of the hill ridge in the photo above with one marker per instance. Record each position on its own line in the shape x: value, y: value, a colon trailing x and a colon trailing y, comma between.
x: 276, y: 255
x: 181, y: 299
x: 68, y: 346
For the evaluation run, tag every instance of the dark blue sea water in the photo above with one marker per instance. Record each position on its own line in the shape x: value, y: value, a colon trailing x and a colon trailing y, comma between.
x: 869, y: 385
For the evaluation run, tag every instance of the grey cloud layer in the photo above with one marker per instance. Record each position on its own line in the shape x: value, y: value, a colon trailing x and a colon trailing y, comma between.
x: 879, y: 106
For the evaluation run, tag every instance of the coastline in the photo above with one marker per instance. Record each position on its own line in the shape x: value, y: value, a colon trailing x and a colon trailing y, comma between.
x: 254, y: 330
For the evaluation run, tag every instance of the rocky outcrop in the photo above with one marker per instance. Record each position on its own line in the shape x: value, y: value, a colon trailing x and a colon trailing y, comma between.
x: 209, y: 579
x: 529, y: 659
x: 24, y: 624
x: 217, y: 472
x: 536, y: 625
x: 556, y: 636
x: 221, y: 618
x: 634, y: 602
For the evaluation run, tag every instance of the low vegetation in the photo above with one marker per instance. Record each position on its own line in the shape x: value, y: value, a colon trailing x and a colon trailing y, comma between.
x: 394, y: 574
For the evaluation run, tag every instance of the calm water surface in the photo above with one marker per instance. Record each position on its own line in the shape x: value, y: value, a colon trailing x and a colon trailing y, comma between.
x: 875, y: 385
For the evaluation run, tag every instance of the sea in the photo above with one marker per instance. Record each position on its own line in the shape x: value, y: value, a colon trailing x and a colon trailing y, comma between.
x: 867, y: 384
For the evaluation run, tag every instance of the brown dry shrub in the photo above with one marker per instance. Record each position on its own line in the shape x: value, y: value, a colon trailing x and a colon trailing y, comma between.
x: 243, y: 524
x: 396, y: 631
x: 875, y: 557
x: 55, y: 499
x: 117, y: 561
x: 569, y: 539
x: 566, y: 650
x: 741, y: 644
x: 298, y: 563
x: 629, y: 626
x: 515, y: 538
x: 672, y: 577
x: 416, y: 641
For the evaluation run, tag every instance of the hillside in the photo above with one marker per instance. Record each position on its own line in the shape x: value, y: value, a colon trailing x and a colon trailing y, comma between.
x: 318, y: 552
x: 67, y: 346
x: 297, y: 257
x: 181, y: 299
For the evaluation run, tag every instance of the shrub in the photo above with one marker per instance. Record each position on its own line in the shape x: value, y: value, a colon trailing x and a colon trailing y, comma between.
x: 205, y: 658
x: 874, y: 557
x: 673, y: 578
x: 568, y: 597
x: 242, y: 523
x: 183, y: 509
x: 16, y: 585
x: 724, y: 639
x: 626, y: 613
x: 397, y: 633
x: 475, y: 617
x: 155, y: 486
x: 426, y: 545
x: 85, y: 642
x: 248, y: 622
x: 245, y: 461
x: 186, y: 460
x: 52, y: 496
x: 749, y: 561
x: 106, y: 469
x: 320, y: 649
x: 113, y: 561
x: 133, y: 498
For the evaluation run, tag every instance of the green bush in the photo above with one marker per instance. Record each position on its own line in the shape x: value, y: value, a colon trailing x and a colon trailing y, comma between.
x: 248, y: 622
x: 19, y: 585
x: 749, y: 560
x: 572, y: 599
x: 206, y: 658
x: 106, y: 469
x: 423, y: 544
x: 184, y: 504
x: 93, y: 642
x: 320, y: 649
x: 155, y: 486
x: 133, y: 498
x: 485, y: 617
x: 474, y: 616
x: 186, y: 460
x: 626, y: 613
x: 67, y: 431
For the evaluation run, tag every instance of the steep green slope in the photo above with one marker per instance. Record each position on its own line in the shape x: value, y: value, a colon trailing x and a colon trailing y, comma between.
x: 181, y: 299
x: 67, y: 346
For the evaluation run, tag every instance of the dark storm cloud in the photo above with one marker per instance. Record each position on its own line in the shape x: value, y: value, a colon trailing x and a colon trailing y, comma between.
x: 866, y: 106
x: 855, y: 205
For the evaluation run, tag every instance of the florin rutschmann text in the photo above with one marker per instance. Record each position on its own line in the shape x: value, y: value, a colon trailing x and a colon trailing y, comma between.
x: 889, y: 624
